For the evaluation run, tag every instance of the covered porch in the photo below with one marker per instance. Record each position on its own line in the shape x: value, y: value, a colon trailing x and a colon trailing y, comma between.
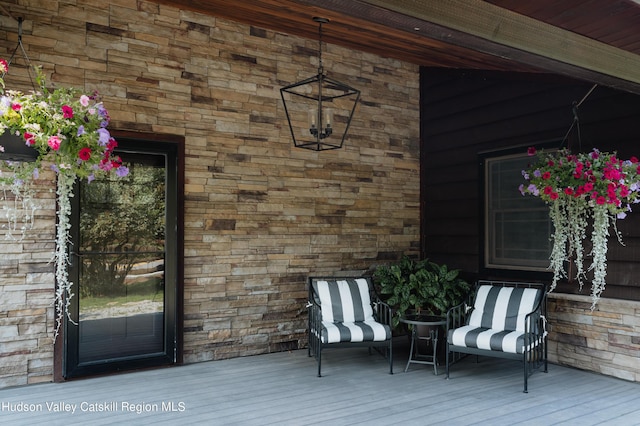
x: 282, y: 388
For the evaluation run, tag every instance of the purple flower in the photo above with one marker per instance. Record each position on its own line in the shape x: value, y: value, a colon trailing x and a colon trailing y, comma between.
x: 525, y: 175
x: 621, y: 215
x: 537, y: 173
x: 122, y: 171
x: 90, y: 178
x: 55, y: 168
x: 80, y: 130
x: 521, y: 189
x: 104, y: 136
x: 533, y: 190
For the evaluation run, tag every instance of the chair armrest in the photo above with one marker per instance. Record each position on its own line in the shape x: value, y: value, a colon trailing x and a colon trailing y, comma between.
x: 535, y: 325
x: 382, y: 312
x: 315, y: 317
x: 457, y: 316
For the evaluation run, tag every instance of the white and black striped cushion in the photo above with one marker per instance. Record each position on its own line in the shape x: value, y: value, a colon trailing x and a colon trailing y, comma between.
x: 347, y: 315
x: 497, y: 321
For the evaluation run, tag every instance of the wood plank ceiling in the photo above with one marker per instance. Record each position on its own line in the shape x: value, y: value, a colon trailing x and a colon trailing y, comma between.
x: 592, y: 40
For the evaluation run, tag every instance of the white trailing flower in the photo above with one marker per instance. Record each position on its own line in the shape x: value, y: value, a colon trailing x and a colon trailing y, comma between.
x: 560, y: 239
x: 18, y: 210
x: 599, y: 239
x: 64, y: 292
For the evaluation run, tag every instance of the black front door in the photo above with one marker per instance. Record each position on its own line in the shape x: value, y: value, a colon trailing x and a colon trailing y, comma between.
x: 124, y: 266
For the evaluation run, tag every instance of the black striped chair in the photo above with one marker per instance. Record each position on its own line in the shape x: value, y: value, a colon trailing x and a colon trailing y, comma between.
x: 506, y: 320
x: 341, y: 313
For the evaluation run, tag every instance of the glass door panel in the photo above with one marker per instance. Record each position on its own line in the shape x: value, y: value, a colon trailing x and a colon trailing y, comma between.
x: 124, y: 265
x: 121, y: 306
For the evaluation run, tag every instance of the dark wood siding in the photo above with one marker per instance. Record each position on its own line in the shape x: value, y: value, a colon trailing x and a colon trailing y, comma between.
x: 468, y: 112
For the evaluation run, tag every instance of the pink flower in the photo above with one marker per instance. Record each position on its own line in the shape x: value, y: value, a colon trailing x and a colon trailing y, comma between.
x: 67, y: 111
x: 601, y: 200
x: 16, y: 107
x: 531, y: 151
x: 29, y: 139
x: 84, y: 154
x: 54, y: 143
x: 553, y: 195
x: 4, y: 67
x: 546, y: 175
x: 84, y: 100
x: 105, y: 164
x: 112, y: 144
x: 624, y: 191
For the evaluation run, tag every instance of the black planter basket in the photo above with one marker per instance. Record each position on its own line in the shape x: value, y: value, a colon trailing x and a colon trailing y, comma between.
x: 15, y: 148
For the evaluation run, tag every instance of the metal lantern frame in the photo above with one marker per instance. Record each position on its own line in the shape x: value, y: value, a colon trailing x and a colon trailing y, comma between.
x: 320, y: 136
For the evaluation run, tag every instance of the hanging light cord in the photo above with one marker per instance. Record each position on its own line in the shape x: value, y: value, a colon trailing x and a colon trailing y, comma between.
x: 576, y: 119
x: 320, y: 68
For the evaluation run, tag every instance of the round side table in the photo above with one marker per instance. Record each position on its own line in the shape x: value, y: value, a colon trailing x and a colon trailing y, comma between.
x: 434, y: 323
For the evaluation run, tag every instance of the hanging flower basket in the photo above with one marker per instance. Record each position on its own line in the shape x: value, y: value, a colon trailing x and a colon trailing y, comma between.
x: 594, y: 188
x: 67, y: 130
x: 15, y: 149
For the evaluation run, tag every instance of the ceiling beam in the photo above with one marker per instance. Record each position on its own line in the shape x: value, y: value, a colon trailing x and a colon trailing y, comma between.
x: 534, y: 42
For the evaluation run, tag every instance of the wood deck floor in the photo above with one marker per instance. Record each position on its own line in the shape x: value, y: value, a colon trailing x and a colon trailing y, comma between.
x: 282, y: 388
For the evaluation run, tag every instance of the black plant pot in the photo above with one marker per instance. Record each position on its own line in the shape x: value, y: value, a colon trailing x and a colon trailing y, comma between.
x: 15, y: 148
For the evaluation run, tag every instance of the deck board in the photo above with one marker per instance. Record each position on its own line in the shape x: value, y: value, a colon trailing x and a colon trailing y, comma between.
x: 282, y: 388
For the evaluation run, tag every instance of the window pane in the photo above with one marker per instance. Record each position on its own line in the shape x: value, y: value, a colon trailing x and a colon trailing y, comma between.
x: 518, y: 227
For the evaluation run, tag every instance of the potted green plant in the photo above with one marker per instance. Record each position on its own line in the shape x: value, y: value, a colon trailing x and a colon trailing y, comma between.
x: 421, y: 286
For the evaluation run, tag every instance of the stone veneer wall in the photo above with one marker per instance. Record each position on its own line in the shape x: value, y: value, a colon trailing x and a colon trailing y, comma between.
x: 606, y: 340
x: 260, y: 216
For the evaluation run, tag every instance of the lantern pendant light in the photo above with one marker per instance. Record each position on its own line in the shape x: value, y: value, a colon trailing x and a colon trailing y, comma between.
x: 319, y: 109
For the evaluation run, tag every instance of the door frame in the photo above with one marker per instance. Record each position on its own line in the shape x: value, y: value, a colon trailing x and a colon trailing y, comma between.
x: 160, y: 143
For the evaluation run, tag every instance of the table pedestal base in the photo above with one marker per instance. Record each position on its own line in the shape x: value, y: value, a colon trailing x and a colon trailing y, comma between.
x: 415, y: 357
